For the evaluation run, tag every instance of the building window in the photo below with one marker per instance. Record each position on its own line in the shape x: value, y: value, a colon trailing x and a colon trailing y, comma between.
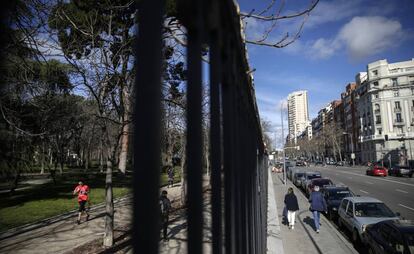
x: 375, y: 83
x: 396, y: 93
x: 376, y: 95
x: 378, y: 119
x: 379, y: 130
x: 394, y: 82
x: 399, y: 119
x: 375, y: 72
x: 397, y: 105
x: 377, y: 106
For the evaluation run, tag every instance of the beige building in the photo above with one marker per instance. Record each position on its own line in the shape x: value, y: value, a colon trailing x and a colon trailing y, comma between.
x: 298, y: 114
x: 386, y: 112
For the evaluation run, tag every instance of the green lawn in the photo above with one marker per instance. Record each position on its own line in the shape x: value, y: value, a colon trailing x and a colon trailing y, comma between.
x: 47, y: 200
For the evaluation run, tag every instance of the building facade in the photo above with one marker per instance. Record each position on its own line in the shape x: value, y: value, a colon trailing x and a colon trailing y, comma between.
x: 385, y: 112
x: 298, y: 115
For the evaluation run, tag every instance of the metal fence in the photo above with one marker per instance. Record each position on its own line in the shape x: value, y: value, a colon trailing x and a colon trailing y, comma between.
x: 238, y: 159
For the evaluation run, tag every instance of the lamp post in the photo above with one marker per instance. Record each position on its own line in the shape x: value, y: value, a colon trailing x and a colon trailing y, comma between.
x: 352, y: 148
x: 409, y: 145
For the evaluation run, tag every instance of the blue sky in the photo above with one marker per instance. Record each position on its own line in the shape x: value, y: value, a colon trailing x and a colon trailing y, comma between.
x: 339, y: 39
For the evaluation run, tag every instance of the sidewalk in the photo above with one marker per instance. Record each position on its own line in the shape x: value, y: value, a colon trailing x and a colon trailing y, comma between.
x: 304, y: 239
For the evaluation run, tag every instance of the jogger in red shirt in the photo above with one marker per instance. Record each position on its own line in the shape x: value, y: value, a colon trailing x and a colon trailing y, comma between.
x: 82, y: 190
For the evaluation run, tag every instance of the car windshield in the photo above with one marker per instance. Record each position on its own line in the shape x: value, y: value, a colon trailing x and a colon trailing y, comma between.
x: 298, y: 175
x: 323, y: 182
x: 338, y: 195
x: 372, y: 210
x: 409, y: 237
x: 313, y: 176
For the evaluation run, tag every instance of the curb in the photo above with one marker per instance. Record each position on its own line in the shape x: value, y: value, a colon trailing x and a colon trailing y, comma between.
x: 274, y: 237
x: 33, y: 225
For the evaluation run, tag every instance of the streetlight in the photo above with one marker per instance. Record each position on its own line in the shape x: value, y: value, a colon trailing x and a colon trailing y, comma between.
x: 352, y: 147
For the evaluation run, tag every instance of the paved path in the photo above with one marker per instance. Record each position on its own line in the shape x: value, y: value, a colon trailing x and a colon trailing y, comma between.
x: 62, y: 234
x: 304, y: 239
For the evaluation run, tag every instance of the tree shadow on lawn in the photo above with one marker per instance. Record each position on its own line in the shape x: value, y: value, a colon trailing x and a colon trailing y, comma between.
x: 62, y: 189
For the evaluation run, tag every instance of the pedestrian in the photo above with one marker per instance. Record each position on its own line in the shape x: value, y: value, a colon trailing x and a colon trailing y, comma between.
x: 170, y: 173
x: 291, y: 203
x: 317, y: 205
x: 82, y: 190
x: 165, y: 206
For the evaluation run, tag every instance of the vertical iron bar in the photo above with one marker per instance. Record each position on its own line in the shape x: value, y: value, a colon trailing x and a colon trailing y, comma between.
x: 147, y: 121
x: 194, y: 147
x: 215, y: 141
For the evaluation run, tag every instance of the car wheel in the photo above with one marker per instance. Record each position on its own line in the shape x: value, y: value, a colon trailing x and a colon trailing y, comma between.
x: 355, y: 237
x: 331, y: 216
x: 340, y: 224
x: 411, y: 175
x: 370, y: 250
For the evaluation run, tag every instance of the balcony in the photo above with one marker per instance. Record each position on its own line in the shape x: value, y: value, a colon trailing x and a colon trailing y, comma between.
x: 397, y: 110
x: 377, y: 111
x: 377, y: 122
x: 398, y: 123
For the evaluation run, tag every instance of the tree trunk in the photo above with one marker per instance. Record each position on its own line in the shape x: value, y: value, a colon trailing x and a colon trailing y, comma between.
x: 108, y: 240
x: 123, y: 155
x: 101, y: 157
x: 183, y: 176
x: 42, y: 163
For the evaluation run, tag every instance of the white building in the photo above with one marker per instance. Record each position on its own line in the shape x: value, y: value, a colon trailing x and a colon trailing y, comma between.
x: 298, y: 115
x: 386, y: 112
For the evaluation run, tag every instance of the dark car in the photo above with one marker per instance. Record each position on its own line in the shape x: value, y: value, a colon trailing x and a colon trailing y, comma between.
x: 318, y: 163
x: 321, y: 182
x: 390, y: 236
x: 340, y: 163
x: 333, y: 196
x: 401, y: 171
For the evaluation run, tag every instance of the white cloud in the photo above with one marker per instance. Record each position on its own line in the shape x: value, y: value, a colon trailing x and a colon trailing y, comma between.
x: 361, y: 37
x: 364, y: 36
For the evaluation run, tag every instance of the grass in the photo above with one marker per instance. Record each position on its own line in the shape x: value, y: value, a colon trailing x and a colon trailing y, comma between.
x: 49, y: 199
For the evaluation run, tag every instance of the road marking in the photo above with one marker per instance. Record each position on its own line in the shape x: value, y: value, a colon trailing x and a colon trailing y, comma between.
x: 369, y: 183
x: 366, y: 192
x: 406, y: 207
x: 403, y: 191
x: 380, y: 179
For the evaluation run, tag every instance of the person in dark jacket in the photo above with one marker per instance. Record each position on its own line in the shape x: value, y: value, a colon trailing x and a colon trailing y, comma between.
x: 318, y: 205
x: 291, y: 204
x: 165, y: 207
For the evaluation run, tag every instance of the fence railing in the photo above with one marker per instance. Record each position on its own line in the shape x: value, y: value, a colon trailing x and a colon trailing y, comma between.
x: 237, y: 152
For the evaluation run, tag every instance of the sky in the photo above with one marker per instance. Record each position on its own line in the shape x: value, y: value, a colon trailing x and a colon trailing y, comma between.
x: 338, y: 40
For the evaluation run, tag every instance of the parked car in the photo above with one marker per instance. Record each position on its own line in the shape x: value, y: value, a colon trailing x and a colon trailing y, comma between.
x: 298, y: 178
x: 340, y: 163
x: 300, y: 163
x: 401, y: 171
x: 376, y: 170
x: 318, y: 163
x: 292, y: 172
x: 321, y: 182
x: 390, y: 236
x: 309, y: 176
x: 356, y: 213
x: 333, y: 196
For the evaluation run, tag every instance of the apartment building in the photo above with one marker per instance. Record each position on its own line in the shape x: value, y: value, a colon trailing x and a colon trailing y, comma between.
x: 385, y: 112
x: 298, y: 115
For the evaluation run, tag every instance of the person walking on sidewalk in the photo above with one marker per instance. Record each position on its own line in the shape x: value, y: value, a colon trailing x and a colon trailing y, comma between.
x: 291, y: 203
x: 82, y: 190
x: 317, y: 205
x: 170, y: 173
x: 165, y: 206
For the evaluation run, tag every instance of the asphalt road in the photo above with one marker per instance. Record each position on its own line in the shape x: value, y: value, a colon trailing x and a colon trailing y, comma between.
x: 395, y: 192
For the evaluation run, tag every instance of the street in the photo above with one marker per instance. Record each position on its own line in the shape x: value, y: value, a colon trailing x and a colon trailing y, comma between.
x: 395, y: 192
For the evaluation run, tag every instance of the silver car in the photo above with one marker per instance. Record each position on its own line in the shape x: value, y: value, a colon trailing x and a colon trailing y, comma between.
x: 297, y: 178
x: 355, y: 213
